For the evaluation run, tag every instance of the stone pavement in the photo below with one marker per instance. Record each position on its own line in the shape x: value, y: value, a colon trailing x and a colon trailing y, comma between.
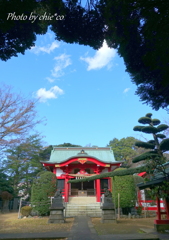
x: 83, y: 230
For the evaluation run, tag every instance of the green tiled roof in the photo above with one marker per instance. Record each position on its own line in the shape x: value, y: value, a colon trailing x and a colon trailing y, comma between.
x: 61, y: 154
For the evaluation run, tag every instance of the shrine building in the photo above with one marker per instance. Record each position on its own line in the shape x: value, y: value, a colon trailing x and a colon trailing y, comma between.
x: 70, y: 163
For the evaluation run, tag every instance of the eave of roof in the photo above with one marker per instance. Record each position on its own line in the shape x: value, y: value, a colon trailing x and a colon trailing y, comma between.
x: 153, y: 183
x: 158, y: 179
x: 60, y: 154
x: 112, y: 163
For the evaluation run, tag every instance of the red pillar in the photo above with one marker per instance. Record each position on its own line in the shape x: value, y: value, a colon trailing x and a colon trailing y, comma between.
x: 66, y: 189
x: 139, y: 198
x: 95, y: 188
x: 110, y: 184
x: 166, y: 208
x: 158, y: 209
x: 54, y: 171
x: 159, y: 221
x: 98, y: 192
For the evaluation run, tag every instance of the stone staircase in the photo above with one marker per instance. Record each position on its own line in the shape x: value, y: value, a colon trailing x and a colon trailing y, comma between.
x: 86, y: 206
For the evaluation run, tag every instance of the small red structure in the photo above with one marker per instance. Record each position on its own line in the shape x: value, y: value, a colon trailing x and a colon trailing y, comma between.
x: 160, y: 224
x: 78, y: 162
x: 159, y: 219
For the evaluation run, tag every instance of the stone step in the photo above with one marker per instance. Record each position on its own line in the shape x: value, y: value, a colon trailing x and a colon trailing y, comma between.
x: 92, y: 210
x: 82, y: 207
x: 83, y: 210
x: 75, y: 213
x: 84, y: 213
x: 86, y: 206
x: 82, y: 200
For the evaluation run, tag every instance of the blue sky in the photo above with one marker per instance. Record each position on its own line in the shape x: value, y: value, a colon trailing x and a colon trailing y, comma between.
x: 85, y: 95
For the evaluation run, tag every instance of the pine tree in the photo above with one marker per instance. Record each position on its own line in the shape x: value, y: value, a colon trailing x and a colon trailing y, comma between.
x: 23, y: 163
x: 158, y: 145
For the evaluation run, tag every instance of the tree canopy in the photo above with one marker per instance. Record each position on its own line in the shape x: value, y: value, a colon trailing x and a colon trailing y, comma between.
x: 5, y: 183
x: 17, y: 116
x: 23, y: 163
x: 124, y: 149
x: 137, y: 29
x: 67, y: 145
x: 17, y: 35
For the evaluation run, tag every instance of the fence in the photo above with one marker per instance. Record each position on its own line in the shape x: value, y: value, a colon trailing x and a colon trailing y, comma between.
x: 13, y: 204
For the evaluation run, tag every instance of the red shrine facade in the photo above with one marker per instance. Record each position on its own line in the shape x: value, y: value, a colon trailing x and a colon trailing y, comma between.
x: 77, y: 162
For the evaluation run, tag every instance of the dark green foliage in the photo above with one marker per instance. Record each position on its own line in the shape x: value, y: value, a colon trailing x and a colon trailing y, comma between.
x: 45, y: 153
x: 67, y: 145
x: 18, y: 35
x: 138, y: 128
x: 26, y: 210
x: 149, y: 129
x: 139, y: 210
x: 123, y: 172
x: 147, y: 193
x: 162, y: 127
x: 139, y: 31
x: 144, y: 156
x: 23, y: 163
x: 145, y: 145
x: 155, y: 121
x: 161, y: 136
x: 151, y: 142
x: 44, y: 187
x: 149, y: 115
x: 5, y: 183
x: 164, y: 145
x: 126, y: 187
x: 138, y: 179
x: 155, y: 158
x: 80, y: 26
x: 144, y: 120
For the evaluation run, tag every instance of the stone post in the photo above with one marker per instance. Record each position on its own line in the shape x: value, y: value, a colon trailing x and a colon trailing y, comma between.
x: 108, y: 210
x: 56, y: 209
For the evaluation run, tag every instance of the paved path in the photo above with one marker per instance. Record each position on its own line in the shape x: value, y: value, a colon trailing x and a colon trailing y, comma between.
x: 83, y: 230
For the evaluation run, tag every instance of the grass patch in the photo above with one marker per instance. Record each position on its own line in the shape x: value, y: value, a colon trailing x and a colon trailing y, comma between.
x: 9, y: 223
x: 123, y: 226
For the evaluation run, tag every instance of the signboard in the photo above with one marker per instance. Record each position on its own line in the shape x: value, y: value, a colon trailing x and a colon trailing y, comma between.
x: 82, y: 160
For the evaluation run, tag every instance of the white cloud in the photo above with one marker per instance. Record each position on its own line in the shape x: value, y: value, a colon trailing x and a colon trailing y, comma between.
x: 47, y: 49
x: 126, y: 90
x: 62, y: 62
x: 102, y: 58
x: 50, y: 79
x: 43, y: 95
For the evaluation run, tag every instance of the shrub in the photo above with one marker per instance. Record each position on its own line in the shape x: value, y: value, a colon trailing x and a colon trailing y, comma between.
x: 44, y: 187
x: 125, y: 186
x: 26, y: 210
x: 139, y: 210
